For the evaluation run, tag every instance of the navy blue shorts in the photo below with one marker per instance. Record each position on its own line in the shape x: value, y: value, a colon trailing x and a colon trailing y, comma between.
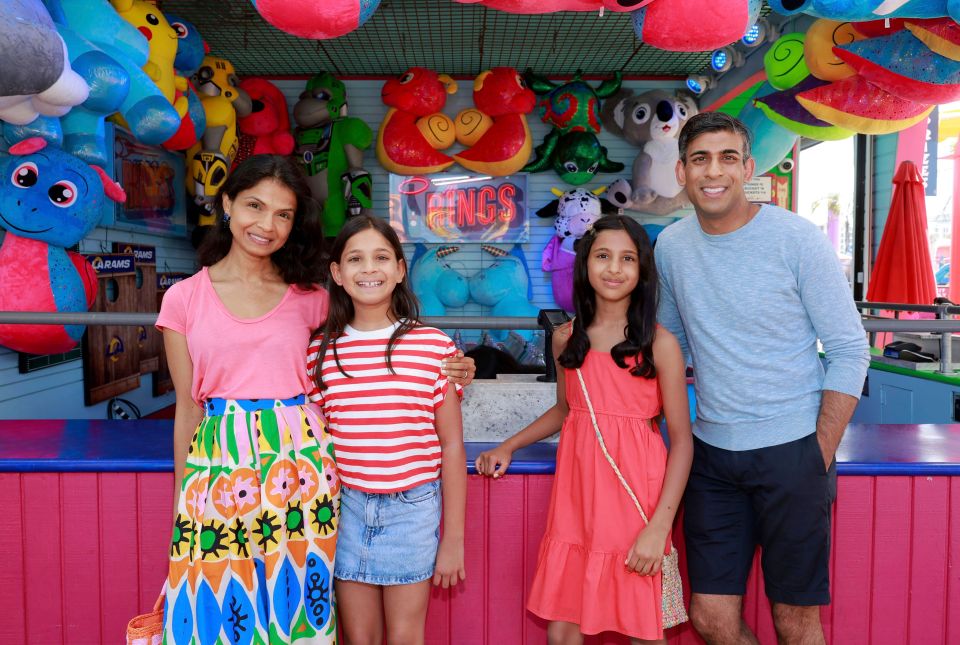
x: 779, y: 498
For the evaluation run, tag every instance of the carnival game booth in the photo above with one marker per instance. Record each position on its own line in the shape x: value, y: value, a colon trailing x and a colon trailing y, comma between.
x: 491, y: 134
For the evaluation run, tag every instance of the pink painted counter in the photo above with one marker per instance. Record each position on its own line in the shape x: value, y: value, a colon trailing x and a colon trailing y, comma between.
x: 85, y: 509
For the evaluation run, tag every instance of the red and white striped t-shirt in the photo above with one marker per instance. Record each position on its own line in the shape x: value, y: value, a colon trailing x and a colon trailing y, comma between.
x: 383, y: 424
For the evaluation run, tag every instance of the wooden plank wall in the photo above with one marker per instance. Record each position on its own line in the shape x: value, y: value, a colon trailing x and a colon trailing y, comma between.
x: 85, y: 552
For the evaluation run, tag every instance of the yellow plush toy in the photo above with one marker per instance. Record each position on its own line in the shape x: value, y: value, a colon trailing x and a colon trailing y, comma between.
x: 163, y: 40
x: 209, y: 161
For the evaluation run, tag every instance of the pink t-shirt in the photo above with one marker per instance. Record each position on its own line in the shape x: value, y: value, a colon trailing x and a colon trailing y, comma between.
x: 243, y: 358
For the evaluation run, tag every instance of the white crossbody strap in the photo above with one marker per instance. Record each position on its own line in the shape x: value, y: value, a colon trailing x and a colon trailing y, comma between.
x: 603, y: 447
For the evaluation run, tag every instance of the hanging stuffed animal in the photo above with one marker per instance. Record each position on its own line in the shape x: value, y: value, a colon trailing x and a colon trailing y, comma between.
x: 316, y: 20
x: 415, y: 128
x: 857, y: 10
x: 150, y: 116
x: 190, y: 52
x: 496, y: 130
x: 35, y: 73
x: 550, y: 6
x: 435, y: 283
x: 504, y: 286
x: 49, y: 200
x: 572, y: 109
x: 652, y: 122
x: 209, y: 161
x: 575, y: 211
x: 266, y: 130
x: 694, y: 25
x: 330, y: 144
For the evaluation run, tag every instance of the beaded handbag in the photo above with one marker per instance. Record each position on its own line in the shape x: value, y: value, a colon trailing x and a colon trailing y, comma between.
x: 673, y: 609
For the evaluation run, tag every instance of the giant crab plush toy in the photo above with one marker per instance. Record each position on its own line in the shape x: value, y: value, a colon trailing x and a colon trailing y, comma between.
x: 331, y: 145
x: 571, y: 148
x: 49, y: 200
x: 575, y: 211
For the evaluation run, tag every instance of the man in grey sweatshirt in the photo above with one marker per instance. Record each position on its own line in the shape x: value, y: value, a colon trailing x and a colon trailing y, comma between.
x: 748, y: 290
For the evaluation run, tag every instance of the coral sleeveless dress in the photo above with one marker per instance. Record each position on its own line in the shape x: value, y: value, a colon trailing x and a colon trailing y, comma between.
x: 592, y: 522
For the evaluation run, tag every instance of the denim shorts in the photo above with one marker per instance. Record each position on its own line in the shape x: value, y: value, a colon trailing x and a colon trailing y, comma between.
x: 388, y: 538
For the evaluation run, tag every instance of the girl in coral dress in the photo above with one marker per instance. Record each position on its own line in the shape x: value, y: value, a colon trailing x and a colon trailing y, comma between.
x: 599, y: 563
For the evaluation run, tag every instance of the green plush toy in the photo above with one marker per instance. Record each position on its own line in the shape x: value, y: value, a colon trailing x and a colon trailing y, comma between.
x: 331, y: 145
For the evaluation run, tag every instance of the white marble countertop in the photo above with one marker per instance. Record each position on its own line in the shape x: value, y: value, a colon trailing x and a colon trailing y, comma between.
x: 494, y: 409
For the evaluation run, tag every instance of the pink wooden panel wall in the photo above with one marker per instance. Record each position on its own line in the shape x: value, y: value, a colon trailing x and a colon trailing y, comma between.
x: 82, y: 553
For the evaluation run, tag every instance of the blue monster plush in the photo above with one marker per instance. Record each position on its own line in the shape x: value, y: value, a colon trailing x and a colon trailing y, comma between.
x: 49, y: 200
x: 505, y: 287
x: 860, y: 10
x: 190, y: 48
x: 435, y: 283
x: 46, y: 127
x: 771, y: 141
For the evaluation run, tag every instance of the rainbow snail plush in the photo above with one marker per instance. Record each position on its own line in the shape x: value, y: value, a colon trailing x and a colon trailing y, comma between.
x: 496, y: 129
x: 572, y: 109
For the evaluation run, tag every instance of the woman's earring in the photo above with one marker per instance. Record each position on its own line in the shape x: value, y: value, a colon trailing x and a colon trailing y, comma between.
x: 226, y: 220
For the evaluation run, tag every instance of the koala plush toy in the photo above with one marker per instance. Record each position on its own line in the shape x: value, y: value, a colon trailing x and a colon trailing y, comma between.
x: 651, y: 121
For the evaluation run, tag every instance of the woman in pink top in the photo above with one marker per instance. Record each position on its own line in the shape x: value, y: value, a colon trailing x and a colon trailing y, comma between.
x: 256, y: 485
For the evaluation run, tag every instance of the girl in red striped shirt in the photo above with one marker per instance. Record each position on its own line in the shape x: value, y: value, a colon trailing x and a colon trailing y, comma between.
x: 397, y: 435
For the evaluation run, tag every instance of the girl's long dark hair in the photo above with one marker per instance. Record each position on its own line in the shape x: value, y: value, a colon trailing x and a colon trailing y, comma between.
x: 300, y: 260
x: 404, y: 306
x: 641, y: 313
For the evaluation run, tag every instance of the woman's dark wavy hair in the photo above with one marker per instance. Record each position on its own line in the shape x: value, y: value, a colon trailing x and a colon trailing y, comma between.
x: 404, y: 306
x: 641, y: 313
x: 300, y: 260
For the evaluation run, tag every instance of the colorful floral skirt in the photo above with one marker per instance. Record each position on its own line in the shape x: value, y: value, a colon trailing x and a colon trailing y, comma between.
x: 252, y: 553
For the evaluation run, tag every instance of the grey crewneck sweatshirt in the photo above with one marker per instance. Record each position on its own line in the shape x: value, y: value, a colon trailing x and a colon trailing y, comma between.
x: 748, y: 308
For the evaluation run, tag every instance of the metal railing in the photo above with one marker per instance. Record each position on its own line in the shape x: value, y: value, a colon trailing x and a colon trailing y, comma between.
x: 943, y: 326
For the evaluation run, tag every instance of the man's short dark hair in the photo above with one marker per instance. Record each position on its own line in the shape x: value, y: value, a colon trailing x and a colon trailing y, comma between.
x: 713, y: 122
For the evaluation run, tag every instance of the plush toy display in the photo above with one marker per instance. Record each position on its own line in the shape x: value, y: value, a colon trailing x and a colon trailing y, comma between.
x: 783, y: 109
x: 785, y: 61
x: 572, y: 109
x: 771, y: 141
x: 266, y: 130
x: 575, y: 211
x: 651, y: 121
x: 83, y: 126
x: 49, y: 200
x: 941, y: 36
x: 694, y: 25
x: 331, y: 146
x: 316, y: 20
x: 190, y: 53
x: 868, y: 9
x: 496, y: 130
x: 549, y: 6
x: 209, y: 161
x: 35, y: 73
x: 415, y: 129
x: 904, y: 66
x: 435, y: 283
x: 47, y: 128
x: 504, y: 286
x: 818, y: 45
x: 150, y: 116
x: 856, y: 104
x: 163, y: 41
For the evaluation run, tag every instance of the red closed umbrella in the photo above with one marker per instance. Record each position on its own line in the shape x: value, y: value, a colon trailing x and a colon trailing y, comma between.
x: 903, y: 272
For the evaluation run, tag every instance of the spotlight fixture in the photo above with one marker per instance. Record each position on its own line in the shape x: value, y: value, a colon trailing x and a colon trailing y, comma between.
x: 757, y: 33
x: 698, y: 84
x: 724, y: 59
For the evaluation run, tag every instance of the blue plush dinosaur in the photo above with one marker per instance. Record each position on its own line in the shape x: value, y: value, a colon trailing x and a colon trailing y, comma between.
x: 505, y: 287
x: 435, y: 283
